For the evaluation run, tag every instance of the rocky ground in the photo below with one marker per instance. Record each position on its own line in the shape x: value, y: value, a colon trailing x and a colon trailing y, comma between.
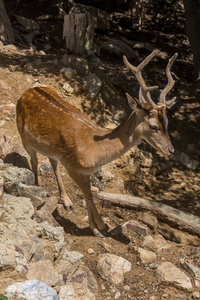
x: 144, y: 258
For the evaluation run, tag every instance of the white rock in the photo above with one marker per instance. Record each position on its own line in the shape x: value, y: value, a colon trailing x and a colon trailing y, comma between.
x: 112, y: 267
x: 31, y: 290
x: 68, y: 88
x: 171, y: 275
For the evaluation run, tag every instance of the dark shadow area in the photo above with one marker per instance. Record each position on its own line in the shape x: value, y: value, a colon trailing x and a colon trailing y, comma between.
x: 71, y: 228
x: 17, y: 160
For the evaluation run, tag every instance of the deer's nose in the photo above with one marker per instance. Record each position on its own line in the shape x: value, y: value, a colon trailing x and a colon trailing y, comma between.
x: 171, y: 150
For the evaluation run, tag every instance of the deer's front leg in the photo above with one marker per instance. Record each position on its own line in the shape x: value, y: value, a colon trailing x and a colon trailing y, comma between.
x: 95, y: 221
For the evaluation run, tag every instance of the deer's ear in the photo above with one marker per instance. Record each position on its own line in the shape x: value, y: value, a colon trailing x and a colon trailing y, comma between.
x: 132, y: 103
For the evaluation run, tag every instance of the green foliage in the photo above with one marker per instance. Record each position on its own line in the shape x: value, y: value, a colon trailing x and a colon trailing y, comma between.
x: 2, y: 297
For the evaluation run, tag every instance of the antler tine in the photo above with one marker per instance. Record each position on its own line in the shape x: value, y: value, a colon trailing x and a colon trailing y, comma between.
x: 170, y: 83
x: 137, y: 71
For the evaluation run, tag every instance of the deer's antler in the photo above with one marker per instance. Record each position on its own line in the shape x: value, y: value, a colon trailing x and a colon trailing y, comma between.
x: 144, y: 93
x: 170, y: 83
x: 144, y: 89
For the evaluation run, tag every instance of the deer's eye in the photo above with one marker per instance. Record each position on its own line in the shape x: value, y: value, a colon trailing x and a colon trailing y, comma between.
x: 153, y: 127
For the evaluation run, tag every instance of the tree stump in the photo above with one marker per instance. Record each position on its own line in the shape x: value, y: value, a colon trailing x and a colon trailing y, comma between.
x: 78, y: 32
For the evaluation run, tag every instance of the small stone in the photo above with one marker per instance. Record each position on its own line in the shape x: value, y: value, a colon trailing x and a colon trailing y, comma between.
x: 8, y: 109
x: 68, y: 72
x: 68, y: 88
x: 4, y: 85
x: 196, y: 295
x: 90, y: 251
x: 127, y: 288
x: 117, y: 295
x: 2, y: 123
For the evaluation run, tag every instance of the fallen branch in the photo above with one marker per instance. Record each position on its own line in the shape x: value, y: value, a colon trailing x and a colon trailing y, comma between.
x: 168, y: 214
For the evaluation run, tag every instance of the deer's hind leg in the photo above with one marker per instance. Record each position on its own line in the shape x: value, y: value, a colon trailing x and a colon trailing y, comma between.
x: 63, y: 195
x: 34, y: 161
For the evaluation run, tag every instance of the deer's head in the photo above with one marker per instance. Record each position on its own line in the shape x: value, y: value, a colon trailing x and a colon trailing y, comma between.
x: 154, y: 122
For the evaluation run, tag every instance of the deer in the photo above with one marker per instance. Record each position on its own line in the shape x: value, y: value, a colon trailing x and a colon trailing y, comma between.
x: 50, y: 126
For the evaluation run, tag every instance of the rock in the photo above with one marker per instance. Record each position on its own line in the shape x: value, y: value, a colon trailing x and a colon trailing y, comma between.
x: 91, y: 280
x: 27, y: 23
x: 118, y: 49
x: 112, y: 267
x: 2, y: 122
x: 45, y: 213
x: 4, y: 85
x: 20, y: 180
x: 16, y: 209
x: 196, y: 295
x: 145, y: 47
x: 68, y: 88
x: 156, y: 243
x: 5, y: 145
x: 12, y: 259
x: 145, y: 256
x: 149, y: 219
x: 14, y: 175
x: 130, y: 227
x: 185, y: 160
x: 139, y: 228
x: 43, y: 271
x: 193, y: 271
x: 1, y: 186
x: 80, y: 65
x: 68, y: 263
x: 94, y: 85
x: 147, y: 160
x: 55, y: 235
x: 171, y: 275
x: 90, y: 251
x: 68, y: 72
x: 30, y: 289
x: 8, y: 109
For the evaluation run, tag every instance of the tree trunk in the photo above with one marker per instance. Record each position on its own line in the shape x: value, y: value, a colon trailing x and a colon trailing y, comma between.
x: 6, y: 32
x: 192, y: 13
x: 78, y: 31
x: 165, y: 213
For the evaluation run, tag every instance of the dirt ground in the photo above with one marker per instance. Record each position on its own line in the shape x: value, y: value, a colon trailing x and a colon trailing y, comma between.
x: 166, y: 181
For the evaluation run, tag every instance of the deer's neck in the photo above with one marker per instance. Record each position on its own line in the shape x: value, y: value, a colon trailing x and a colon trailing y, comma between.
x: 116, y: 142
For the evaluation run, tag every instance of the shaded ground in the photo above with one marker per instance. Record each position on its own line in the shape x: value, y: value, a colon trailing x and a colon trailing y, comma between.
x: 167, y: 181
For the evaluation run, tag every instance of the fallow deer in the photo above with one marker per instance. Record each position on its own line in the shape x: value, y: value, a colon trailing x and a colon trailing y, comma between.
x: 50, y: 126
